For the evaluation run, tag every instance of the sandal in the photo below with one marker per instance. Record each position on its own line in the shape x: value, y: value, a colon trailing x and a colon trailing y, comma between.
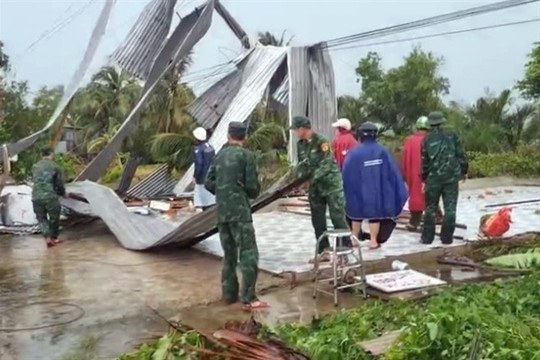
x: 255, y: 305
x: 56, y: 241
x: 324, y: 257
x: 374, y: 247
x: 50, y: 243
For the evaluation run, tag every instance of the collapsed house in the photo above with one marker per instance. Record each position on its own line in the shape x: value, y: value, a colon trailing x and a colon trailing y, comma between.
x: 294, y: 80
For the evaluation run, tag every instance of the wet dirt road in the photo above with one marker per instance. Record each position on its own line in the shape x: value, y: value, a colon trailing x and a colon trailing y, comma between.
x: 89, y: 287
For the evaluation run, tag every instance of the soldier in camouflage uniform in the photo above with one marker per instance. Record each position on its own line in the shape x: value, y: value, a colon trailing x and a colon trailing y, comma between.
x: 48, y: 187
x: 316, y: 163
x: 444, y: 163
x: 233, y: 179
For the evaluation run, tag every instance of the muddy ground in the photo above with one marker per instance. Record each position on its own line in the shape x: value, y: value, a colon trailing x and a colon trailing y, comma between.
x: 92, y: 288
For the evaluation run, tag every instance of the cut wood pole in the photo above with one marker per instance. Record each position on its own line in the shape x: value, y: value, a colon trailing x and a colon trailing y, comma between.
x: 58, y: 133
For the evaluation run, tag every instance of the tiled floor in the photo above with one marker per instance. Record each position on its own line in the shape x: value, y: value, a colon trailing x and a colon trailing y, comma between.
x: 286, y: 241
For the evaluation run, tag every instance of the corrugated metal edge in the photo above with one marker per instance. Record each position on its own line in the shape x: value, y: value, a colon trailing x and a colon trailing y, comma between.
x: 158, y: 182
x: 75, y: 82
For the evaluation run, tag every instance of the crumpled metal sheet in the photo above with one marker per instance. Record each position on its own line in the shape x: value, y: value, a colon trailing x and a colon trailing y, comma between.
x: 188, y: 33
x: 144, y: 40
x: 140, y: 232
x: 262, y: 64
x: 74, y: 84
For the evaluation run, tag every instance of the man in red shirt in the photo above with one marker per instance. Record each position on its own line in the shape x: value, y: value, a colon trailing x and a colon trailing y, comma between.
x: 344, y: 140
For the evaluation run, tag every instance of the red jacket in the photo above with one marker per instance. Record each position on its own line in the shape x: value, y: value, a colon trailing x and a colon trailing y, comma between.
x: 412, y: 169
x: 343, y: 142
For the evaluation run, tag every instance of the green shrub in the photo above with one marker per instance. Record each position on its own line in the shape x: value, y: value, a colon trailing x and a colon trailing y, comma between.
x: 524, y: 163
x: 113, y: 175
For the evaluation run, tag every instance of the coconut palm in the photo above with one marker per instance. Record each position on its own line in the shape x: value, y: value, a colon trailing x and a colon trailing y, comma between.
x: 268, y: 39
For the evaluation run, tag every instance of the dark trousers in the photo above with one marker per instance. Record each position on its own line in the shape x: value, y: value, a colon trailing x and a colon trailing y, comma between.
x: 318, y: 204
x: 239, y: 246
x: 433, y: 193
x: 48, y: 217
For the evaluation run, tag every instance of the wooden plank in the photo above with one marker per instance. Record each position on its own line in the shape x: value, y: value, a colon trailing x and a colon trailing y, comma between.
x: 381, y: 344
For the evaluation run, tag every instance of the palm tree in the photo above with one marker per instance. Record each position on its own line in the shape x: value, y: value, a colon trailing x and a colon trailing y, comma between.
x: 268, y: 39
x: 351, y: 108
x: 171, y: 123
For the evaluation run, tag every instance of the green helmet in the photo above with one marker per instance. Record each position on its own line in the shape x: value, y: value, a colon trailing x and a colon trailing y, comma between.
x: 422, y: 123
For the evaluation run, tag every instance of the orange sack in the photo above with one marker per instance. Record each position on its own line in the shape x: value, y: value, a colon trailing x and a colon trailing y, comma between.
x: 498, y: 224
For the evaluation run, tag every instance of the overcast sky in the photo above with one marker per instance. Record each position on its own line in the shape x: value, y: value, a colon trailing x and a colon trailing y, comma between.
x: 474, y: 61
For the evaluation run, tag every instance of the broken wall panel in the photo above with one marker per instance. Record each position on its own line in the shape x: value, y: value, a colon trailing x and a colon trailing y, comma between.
x: 74, y: 84
x: 190, y: 31
x: 233, y: 24
x: 145, y: 38
x: 262, y: 64
x: 322, y: 102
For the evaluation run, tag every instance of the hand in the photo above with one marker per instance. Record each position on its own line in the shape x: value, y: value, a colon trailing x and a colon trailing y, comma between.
x: 423, y: 187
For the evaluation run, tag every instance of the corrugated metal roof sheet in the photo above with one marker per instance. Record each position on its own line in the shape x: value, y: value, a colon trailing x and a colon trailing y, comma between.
x: 158, y: 182
x: 140, y: 232
x: 262, y: 63
x: 190, y: 30
x: 75, y: 82
x: 208, y: 108
x: 322, y: 96
x: 143, y: 42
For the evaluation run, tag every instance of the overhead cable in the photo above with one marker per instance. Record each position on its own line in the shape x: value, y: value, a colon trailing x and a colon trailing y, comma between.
x: 438, y: 34
x: 434, y: 20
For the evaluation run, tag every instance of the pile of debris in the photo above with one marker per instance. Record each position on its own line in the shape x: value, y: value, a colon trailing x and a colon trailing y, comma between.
x: 236, y: 340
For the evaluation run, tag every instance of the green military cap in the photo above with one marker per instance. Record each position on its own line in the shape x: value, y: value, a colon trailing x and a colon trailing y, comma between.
x: 237, y: 129
x: 436, y: 118
x: 422, y: 123
x: 300, y: 122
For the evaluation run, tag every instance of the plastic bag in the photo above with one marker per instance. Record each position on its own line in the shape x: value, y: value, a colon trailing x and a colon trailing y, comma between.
x: 498, y: 224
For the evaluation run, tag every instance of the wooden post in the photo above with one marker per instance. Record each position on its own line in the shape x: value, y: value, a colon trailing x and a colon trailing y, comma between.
x: 58, y: 133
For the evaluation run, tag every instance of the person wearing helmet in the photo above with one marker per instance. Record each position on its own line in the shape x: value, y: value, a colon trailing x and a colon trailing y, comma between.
x: 344, y: 140
x: 203, y: 155
x: 374, y: 187
x: 444, y: 163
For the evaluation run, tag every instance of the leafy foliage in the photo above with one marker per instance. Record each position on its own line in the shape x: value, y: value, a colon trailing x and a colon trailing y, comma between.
x: 518, y: 261
x: 400, y: 95
x: 530, y: 85
x: 505, y: 315
x: 520, y: 163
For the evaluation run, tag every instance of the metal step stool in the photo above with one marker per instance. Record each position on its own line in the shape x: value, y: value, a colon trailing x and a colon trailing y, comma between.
x: 344, y: 273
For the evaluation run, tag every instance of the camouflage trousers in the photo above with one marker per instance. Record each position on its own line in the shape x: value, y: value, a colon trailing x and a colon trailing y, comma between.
x: 239, y: 245
x: 449, y: 193
x: 48, y: 217
x: 335, y: 202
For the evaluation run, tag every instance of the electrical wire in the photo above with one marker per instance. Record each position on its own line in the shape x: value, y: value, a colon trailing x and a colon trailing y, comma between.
x: 439, y: 34
x: 49, y: 33
x: 434, y: 20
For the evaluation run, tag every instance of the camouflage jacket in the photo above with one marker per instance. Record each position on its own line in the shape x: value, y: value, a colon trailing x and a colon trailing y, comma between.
x: 317, y: 163
x: 48, y: 183
x: 233, y: 178
x: 443, y: 158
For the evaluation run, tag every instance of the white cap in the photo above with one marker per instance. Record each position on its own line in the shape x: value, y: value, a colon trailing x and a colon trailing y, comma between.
x: 200, y: 134
x: 342, y: 123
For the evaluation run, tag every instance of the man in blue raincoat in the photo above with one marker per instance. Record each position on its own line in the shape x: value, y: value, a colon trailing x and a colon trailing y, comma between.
x: 374, y: 187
